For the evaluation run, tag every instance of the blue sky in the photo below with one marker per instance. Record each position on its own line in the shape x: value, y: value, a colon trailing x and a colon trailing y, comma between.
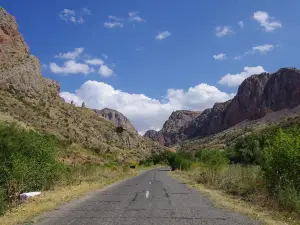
x: 127, y: 62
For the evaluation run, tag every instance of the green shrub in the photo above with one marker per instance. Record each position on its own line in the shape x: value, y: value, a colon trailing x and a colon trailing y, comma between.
x: 247, y: 150
x: 27, y: 161
x: 182, y: 163
x: 212, y: 158
x: 281, y: 163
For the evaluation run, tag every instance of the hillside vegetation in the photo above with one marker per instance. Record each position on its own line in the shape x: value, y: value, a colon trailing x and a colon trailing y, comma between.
x: 260, y: 167
x: 34, y: 161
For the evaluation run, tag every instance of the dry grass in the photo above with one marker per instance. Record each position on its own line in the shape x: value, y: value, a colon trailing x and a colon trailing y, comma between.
x: 50, y: 114
x: 224, y: 200
x: 49, y: 200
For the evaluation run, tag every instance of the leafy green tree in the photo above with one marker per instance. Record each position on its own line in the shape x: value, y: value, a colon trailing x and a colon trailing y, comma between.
x: 281, y: 163
x: 213, y: 158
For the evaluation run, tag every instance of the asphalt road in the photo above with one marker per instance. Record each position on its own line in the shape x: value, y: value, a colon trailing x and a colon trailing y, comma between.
x: 150, y: 198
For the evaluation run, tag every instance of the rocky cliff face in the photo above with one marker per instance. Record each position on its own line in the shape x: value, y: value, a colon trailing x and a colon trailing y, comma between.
x: 155, y: 136
x: 257, y: 96
x: 26, y: 96
x: 116, y: 118
x: 171, y: 130
x: 20, y: 71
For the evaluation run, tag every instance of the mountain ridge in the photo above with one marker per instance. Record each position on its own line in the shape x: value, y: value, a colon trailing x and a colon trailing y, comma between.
x: 257, y: 96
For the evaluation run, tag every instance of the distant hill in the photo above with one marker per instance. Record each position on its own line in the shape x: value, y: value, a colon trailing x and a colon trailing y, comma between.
x: 173, y: 127
x: 27, y: 97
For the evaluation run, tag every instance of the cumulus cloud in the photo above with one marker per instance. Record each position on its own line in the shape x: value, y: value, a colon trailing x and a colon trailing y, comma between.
x: 69, y: 15
x: 220, y: 56
x: 94, y: 61
x: 223, y: 31
x: 241, y: 24
x: 75, y: 64
x: 70, y: 67
x: 144, y: 112
x: 70, y: 55
x: 263, y: 48
x: 267, y: 22
x: 163, y: 35
x: 232, y: 80
x: 105, y: 71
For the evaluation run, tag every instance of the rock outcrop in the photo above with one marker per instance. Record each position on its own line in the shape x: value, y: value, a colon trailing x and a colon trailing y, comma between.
x: 27, y: 97
x: 155, y: 136
x: 116, y: 118
x: 171, y: 130
x: 20, y: 71
x: 257, y: 96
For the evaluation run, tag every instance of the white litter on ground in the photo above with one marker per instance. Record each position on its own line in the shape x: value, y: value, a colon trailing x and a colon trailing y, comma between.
x: 25, y: 196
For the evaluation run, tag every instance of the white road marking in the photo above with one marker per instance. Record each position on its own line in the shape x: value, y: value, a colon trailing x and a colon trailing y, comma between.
x: 147, y: 194
x: 150, y: 182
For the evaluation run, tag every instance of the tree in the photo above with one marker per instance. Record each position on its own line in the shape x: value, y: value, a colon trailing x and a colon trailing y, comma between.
x: 83, y: 105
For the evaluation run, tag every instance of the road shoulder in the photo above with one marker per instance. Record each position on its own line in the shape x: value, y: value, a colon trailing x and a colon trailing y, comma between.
x: 229, y: 202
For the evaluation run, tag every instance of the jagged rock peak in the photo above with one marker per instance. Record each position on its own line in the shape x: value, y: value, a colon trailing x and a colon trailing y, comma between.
x: 116, y: 118
x: 179, y: 119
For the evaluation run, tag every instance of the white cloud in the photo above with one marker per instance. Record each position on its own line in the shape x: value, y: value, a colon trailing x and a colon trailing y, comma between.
x: 263, y: 48
x: 114, y: 21
x: 105, y: 71
x: 114, y: 18
x: 70, y: 55
x: 236, y: 79
x: 86, y: 11
x: 70, y: 67
x: 220, y: 56
x: 113, y: 24
x: 256, y: 49
x: 223, y: 31
x: 94, y: 61
x: 70, y: 15
x: 133, y: 16
x: 241, y: 24
x: 267, y: 22
x: 163, y: 35
x: 98, y: 95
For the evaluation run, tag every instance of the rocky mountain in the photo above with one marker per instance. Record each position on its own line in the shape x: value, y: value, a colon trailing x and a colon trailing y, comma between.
x: 257, y: 96
x: 28, y: 98
x: 173, y: 127
x: 116, y: 118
